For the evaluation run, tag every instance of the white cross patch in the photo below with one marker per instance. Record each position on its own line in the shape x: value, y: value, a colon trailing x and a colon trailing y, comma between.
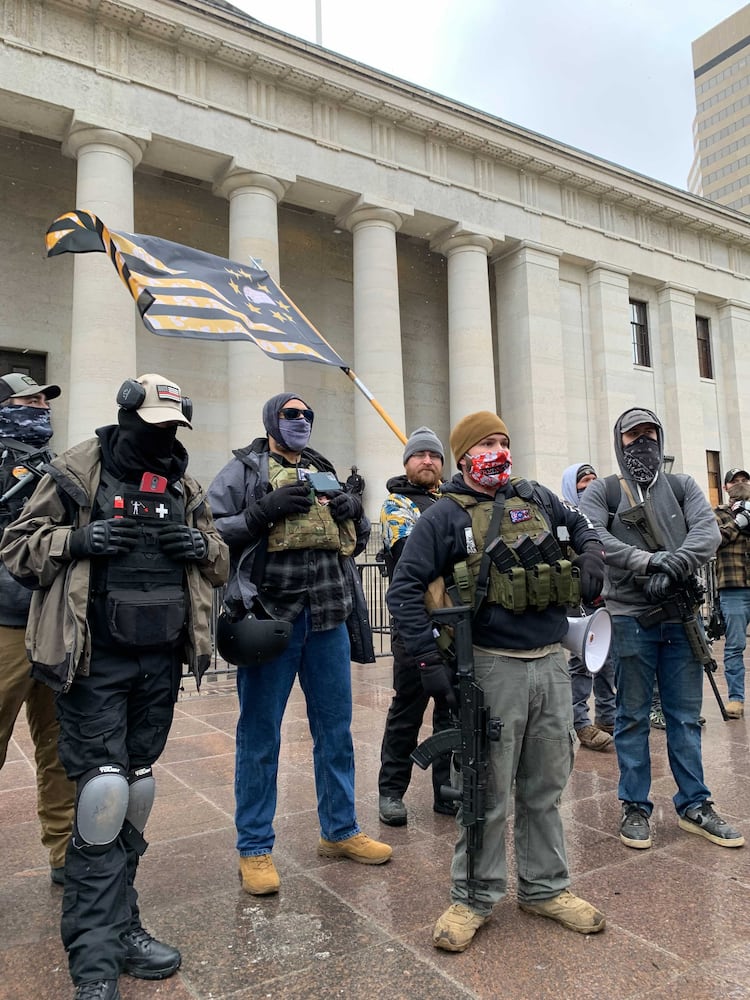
x: 161, y: 510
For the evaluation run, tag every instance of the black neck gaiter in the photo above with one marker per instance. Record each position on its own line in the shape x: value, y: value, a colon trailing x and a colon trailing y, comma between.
x: 138, y: 447
x: 642, y: 458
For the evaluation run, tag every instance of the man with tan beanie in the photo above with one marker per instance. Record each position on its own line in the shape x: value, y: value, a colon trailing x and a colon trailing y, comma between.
x: 518, y: 662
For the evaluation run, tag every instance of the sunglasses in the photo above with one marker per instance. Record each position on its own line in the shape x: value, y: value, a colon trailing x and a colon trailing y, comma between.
x: 293, y: 413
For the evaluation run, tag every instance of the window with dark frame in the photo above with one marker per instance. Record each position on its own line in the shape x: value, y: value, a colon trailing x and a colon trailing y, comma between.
x: 639, y: 330
x: 25, y: 362
x: 703, y: 333
x: 714, y: 478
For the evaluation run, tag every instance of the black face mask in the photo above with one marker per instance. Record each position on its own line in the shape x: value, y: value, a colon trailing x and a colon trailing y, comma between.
x: 642, y: 458
x: 140, y: 447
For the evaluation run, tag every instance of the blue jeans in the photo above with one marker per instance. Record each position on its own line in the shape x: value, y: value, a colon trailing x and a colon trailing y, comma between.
x: 735, y: 606
x: 603, y: 684
x: 642, y: 654
x: 321, y: 660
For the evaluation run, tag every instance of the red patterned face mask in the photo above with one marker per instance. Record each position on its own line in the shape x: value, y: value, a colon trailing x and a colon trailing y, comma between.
x: 490, y: 468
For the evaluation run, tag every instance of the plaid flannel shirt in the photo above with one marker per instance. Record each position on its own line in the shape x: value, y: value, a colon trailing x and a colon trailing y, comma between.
x: 733, y: 554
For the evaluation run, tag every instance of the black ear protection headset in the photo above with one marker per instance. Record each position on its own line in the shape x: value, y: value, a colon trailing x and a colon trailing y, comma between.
x: 131, y: 394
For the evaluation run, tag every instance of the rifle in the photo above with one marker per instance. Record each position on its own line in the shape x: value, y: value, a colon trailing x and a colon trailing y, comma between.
x: 684, y: 601
x: 470, y: 739
x: 33, y: 471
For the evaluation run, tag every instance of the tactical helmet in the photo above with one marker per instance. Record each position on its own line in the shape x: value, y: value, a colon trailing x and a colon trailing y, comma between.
x: 250, y: 640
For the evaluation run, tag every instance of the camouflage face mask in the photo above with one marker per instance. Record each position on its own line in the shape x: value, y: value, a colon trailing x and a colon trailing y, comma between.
x: 29, y: 424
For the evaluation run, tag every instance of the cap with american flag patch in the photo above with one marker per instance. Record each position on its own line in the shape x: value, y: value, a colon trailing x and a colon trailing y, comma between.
x: 162, y: 402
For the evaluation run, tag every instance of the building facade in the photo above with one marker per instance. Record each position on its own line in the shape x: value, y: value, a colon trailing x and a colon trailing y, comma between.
x: 721, y: 129
x: 456, y: 262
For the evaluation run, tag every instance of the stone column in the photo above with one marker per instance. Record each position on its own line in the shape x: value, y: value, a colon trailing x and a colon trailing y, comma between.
x: 683, y: 422
x: 253, y: 377
x: 531, y: 358
x: 377, y: 346
x: 471, y: 368
x: 734, y: 358
x: 611, y: 356
x: 102, y: 343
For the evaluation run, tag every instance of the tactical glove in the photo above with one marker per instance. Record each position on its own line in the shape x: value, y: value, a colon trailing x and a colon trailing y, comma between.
x: 659, y: 587
x: 344, y: 505
x: 103, y: 538
x: 286, y: 500
x: 437, y: 677
x: 591, y: 566
x: 671, y: 563
x: 741, y: 511
x: 179, y: 541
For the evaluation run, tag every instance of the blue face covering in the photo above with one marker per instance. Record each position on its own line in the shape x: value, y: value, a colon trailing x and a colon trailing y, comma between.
x: 295, y: 433
x: 29, y: 424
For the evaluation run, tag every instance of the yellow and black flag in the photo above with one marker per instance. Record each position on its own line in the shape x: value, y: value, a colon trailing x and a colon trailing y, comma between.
x: 183, y: 292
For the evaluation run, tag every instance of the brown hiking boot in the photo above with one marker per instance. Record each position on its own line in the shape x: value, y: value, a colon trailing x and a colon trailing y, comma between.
x: 606, y: 727
x: 359, y: 848
x: 456, y: 928
x: 258, y: 875
x: 594, y: 738
x: 570, y: 911
x: 735, y: 709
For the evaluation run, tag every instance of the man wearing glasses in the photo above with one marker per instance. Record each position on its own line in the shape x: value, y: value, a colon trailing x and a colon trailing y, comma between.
x: 289, y: 533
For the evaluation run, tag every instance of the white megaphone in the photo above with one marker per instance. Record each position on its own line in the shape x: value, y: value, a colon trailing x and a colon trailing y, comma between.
x: 589, y: 638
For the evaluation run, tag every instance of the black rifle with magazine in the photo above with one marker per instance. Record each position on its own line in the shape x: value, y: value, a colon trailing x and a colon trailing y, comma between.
x: 21, y: 468
x: 682, y: 601
x: 470, y: 740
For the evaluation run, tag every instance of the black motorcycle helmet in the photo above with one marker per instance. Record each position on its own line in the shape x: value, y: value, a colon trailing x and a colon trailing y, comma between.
x: 251, y: 640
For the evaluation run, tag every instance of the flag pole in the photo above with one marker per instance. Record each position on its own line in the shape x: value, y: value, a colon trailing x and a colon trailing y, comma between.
x: 375, y: 404
x: 258, y: 264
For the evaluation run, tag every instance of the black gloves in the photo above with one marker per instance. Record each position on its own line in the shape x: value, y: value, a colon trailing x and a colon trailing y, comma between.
x: 103, y: 538
x: 437, y: 677
x: 345, y: 505
x: 672, y: 563
x: 179, y: 541
x: 286, y: 500
x: 659, y: 587
x: 591, y: 566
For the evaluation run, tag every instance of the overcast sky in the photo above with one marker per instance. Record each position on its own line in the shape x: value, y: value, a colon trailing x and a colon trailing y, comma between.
x: 611, y: 77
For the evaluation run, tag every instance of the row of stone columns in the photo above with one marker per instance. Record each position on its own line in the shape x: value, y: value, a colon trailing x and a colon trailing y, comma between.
x: 530, y: 348
x: 103, y: 337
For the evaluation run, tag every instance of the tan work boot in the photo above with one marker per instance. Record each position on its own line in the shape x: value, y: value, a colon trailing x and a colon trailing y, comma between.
x: 594, y: 738
x: 456, y: 928
x: 258, y: 875
x: 735, y: 709
x: 359, y: 848
x: 570, y: 911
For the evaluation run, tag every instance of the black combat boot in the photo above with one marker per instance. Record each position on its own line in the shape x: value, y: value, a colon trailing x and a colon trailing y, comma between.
x: 147, y: 958
x: 101, y: 989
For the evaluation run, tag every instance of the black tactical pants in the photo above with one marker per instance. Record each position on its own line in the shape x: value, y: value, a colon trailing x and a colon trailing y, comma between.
x: 120, y: 714
x: 402, y: 728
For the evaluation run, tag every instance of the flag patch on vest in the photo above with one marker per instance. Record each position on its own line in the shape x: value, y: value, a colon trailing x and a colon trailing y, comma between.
x: 520, y: 515
x: 471, y: 545
x: 148, y: 505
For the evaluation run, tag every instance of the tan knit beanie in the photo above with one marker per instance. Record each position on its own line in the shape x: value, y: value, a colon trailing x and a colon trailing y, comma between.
x: 473, y: 428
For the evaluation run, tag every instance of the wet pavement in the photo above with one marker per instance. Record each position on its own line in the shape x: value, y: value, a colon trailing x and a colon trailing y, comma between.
x: 678, y: 915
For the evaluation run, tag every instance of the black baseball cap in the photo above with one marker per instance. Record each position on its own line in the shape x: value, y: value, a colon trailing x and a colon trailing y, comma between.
x: 735, y: 472
x: 18, y: 384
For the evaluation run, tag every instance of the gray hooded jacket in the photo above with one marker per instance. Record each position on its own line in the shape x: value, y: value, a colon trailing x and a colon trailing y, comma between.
x: 691, y: 530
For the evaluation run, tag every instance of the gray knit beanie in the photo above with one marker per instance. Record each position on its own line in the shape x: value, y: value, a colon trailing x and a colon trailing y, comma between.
x: 423, y: 439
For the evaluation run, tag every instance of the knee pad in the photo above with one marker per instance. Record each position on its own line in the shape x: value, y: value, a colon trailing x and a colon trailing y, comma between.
x: 101, y: 804
x: 142, y: 789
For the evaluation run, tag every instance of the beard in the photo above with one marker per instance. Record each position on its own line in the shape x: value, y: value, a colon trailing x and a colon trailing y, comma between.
x: 429, y: 479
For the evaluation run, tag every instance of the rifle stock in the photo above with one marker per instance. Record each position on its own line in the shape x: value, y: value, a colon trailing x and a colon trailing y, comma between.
x: 470, y: 738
